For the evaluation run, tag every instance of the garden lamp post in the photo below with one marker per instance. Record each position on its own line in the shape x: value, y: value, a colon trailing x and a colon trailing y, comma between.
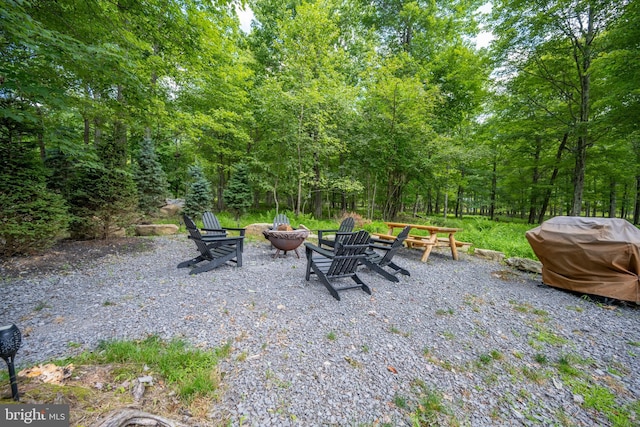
x: 10, y: 340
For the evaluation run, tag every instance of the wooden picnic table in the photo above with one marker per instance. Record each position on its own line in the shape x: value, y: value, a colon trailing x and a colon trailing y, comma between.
x: 426, y: 242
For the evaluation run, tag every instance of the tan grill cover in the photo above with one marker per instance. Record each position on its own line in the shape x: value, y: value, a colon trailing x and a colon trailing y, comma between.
x: 598, y: 256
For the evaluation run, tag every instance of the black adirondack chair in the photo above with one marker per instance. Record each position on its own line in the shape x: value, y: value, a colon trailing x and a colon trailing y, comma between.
x: 342, y: 262
x: 215, y: 251
x: 346, y: 226
x: 280, y: 219
x: 380, y: 253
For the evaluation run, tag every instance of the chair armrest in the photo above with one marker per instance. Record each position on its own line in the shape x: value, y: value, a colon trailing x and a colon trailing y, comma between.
x: 225, y: 229
x: 382, y: 241
x: 309, y: 247
x: 383, y: 248
x: 218, y: 230
x: 241, y: 230
x: 328, y: 231
x: 219, y: 241
x: 321, y: 232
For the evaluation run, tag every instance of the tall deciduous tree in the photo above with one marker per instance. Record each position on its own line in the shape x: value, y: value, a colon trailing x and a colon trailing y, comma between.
x: 308, y: 92
x: 558, y: 41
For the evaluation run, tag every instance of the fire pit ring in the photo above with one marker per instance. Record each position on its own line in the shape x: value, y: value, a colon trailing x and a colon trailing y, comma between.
x: 286, y: 240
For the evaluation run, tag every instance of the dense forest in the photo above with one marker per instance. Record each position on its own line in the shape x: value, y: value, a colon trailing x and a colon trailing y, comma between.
x: 383, y: 107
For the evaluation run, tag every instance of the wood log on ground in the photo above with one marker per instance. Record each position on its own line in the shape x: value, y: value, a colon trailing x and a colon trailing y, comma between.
x: 132, y: 417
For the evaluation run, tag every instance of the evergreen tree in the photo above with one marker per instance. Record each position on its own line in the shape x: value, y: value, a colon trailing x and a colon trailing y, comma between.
x: 199, y: 197
x: 32, y: 217
x: 237, y: 196
x: 104, y: 196
x: 150, y: 179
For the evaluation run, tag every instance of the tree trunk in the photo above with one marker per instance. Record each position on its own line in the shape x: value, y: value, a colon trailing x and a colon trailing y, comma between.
x: 533, y: 201
x: 612, y: 198
x: 494, y: 189
x: 299, y: 147
x: 317, y: 203
x: 636, y: 208
x: 552, y: 180
x: 220, y: 186
x: 459, y: 203
x: 582, y: 51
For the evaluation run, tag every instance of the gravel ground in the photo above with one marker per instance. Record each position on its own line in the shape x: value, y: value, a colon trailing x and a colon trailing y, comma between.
x: 483, y: 341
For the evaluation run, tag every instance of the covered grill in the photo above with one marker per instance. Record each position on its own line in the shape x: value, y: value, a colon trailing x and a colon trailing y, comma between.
x: 598, y: 256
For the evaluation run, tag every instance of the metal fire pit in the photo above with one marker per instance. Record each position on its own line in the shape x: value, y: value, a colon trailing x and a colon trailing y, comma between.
x: 286, y: 240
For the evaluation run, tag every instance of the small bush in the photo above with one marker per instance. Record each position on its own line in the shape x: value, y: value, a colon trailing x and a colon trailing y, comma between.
x: 357, y: 218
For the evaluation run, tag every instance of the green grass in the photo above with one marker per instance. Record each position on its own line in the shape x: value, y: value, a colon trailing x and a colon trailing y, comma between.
x: 190, y: 371
x: 429, y: 408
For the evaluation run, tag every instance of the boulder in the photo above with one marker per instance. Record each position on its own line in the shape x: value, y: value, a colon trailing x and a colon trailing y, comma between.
x: 256, y: 229
x: 489, y: 254
x: 525, y: 264
x: 156, y: 229
x: 118, y: 232
x: 170, y: 210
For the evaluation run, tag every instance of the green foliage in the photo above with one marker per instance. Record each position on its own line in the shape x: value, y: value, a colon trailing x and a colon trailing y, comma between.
x: 238, y: 196
x: 190, y: 371
x: 430, y: 409
x: 336, y: 106
x: 104, y: 196
x: 508, y: 238
x: 32, y: 217
x: 103, y: 200
x: 150, y: 178
x: 199, y: 197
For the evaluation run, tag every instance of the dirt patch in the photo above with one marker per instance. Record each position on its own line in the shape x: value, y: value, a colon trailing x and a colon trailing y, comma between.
x: 93, y: 392
x: 69, y: 254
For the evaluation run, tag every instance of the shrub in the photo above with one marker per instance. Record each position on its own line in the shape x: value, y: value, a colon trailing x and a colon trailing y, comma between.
x: 32, y: 217
x: 359, y: 221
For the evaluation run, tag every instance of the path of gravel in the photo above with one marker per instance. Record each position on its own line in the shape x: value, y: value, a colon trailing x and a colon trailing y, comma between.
x: 484, y: 338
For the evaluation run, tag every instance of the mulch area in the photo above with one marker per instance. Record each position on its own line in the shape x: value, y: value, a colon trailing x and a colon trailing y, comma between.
x: 68, y: 253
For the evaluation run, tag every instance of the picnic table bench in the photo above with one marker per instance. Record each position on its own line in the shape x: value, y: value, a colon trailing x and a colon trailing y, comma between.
x: 426, y: 242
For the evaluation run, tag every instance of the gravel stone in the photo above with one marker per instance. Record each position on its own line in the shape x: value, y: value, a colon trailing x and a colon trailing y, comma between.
x: 470, y: 331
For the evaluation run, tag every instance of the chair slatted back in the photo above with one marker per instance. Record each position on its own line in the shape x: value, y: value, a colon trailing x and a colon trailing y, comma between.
x: 211, y: 222
x: 280, y: 219
x: 195, y: 235
x: 348, y: 253
x: 347, y: 224
x: 395, y: 246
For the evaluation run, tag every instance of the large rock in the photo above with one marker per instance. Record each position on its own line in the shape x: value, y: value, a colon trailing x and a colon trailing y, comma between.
x: 525, y: 264
x: 170, y: 210
x: 156, y: 229
x: 117, y: 232
x: 489, y: 254
x: 256, y: 229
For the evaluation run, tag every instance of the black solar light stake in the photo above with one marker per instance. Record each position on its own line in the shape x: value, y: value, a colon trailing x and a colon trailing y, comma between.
x: 10, y: 340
